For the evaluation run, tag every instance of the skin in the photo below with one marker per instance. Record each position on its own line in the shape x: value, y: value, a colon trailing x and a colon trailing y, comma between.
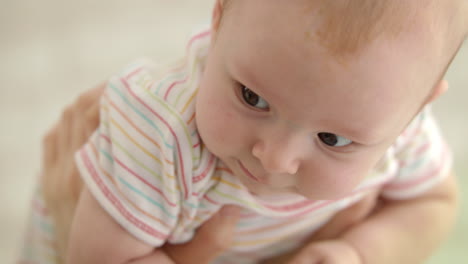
x: 304, y: 91
x: 63, y: 188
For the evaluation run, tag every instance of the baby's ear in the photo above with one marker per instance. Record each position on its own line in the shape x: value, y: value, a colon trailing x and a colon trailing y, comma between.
x: 437, y: 91
x: 216, y: 16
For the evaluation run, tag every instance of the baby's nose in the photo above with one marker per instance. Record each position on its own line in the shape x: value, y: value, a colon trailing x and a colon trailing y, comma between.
x: 276, y: 158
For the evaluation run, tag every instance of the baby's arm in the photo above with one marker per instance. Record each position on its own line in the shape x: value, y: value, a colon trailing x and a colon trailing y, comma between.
x: 405, y: 231
x: 97, y: 238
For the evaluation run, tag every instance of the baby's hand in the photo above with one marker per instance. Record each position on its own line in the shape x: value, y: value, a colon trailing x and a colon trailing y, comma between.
x: 327, y: 252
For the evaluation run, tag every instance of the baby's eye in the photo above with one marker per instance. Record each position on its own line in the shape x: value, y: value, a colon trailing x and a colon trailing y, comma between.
x: 333, y: 140
x: 253, y: 99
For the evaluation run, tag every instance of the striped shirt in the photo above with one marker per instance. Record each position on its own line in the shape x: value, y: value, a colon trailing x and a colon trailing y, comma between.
x: 147, y: 167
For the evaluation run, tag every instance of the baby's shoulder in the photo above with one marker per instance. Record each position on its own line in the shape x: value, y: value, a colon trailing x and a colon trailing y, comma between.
x: 422, y: 128
x: 172, y: 86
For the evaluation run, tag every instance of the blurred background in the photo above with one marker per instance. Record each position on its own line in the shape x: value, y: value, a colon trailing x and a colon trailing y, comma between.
x: 52, y: 50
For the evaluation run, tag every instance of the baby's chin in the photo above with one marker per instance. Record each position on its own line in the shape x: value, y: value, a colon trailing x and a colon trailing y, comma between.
x: 267, y: 193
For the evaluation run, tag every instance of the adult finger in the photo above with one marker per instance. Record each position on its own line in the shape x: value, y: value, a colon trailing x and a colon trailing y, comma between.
x: 65, y: 131
x: 211, y: 239
x: 59, y: 140
x: 90, y: 97
x: 49, y: 145
x: 86, y: 115
x: 85, y: 121
x: 92, y: 118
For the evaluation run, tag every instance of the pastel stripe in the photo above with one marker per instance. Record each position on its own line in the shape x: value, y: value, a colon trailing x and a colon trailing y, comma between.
x: 116, y: 202
x: 175, y: 136
x: 420, y: 178
x: 122, y: 194
x: 175, y: 115
x: 150, y: 171
x: 143, y: 116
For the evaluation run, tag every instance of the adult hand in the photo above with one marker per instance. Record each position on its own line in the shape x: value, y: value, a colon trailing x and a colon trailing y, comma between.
x: 62, y: 185
x: 60, y: 182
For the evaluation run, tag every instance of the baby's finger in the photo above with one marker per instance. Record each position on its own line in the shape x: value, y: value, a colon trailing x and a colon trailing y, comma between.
x: 347, y: 218
x: 327, y: 252
x: 218, y: 231
x: 309, y: 256
x: 157, y: 257
x: 211, y: 239
x: 160, y: 258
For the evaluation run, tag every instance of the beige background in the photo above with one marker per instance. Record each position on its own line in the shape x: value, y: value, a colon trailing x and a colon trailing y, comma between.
x: 51, y: 50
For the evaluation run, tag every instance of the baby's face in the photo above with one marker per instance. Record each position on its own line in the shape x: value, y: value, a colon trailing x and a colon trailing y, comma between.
x: 287, y: 117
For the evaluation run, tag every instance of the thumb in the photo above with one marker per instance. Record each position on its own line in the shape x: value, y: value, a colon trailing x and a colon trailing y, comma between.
x: 211, y: 239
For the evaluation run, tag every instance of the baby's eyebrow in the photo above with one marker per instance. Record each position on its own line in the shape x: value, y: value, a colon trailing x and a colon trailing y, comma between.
x: 366, y: 136
x: 361, y: 135
x: 245, y: 75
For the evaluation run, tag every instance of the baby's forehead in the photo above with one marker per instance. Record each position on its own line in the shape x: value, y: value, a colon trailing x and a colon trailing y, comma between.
x: 346, y: 26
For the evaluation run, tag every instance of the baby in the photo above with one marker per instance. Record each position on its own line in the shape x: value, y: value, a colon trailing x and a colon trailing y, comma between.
x: 293, y: 110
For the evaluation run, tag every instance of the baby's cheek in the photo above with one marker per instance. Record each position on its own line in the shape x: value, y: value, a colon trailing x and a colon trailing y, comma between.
x: 330, y: 181
x: 216, y: 129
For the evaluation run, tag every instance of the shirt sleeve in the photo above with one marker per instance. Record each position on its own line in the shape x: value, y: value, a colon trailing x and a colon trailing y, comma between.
x: 423, y: 157
x: 133, y: 163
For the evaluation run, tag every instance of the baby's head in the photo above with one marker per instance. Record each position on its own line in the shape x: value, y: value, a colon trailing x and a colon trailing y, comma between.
x: 305, y: 96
